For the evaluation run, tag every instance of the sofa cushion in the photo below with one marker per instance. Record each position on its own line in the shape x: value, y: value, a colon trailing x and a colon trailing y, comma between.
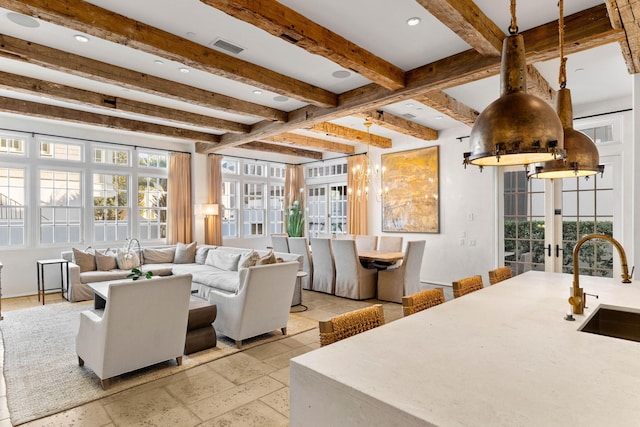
x: 165, y: 269
x: 269, y: 258
x: 158, y: 256
x: 102, y: 276
x: 185, y: 254
x: 223, y: 260
x: 201, y: 254
x: 218, y: 279
x: 189, y: 268
x: 86, y: 260
x: 107, y: 261
x: 128, y: 259
x: 248, y: 259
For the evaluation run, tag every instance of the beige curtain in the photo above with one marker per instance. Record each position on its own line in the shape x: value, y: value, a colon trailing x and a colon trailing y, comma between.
x: 213, y: 224
x: 294, y: 181
x: 179, y: 228
x: 357, y: 200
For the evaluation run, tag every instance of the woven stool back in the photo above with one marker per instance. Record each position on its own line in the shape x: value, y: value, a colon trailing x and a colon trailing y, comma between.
x: 467, y: 285
x: 499, y: 274
x: 422, y: 300
x: 351, y: 323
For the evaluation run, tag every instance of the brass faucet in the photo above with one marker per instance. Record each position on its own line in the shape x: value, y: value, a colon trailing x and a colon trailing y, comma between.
x: 577, y: 299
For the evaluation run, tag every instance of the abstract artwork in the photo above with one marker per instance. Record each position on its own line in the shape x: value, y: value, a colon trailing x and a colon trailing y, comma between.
x: 410, y: 201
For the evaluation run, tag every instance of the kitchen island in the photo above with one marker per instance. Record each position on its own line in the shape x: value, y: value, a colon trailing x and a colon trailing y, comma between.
x: 502, y: 356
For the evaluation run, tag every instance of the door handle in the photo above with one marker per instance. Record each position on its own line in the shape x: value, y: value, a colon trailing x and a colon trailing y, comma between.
x: 558, y: 249
x: 548, y: 249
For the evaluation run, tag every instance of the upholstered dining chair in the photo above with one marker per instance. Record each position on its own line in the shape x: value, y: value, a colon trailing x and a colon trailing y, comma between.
x: 393, y: 283
x: 300, y: 246
x: 340, y: 236
x: 467, y: 285
x: 324, y: 267
x: 349, y: 324
x: 352, y: 279
x: 280, y: 243
x: 499, y: 274
x: 390, y: 243
x: 422, y: 300
x: 366, y: 242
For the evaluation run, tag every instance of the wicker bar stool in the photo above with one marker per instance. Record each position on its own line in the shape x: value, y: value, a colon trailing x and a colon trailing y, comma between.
x: 467, y: 285
x: 422, y: 300
x: 351, y: 323
x: 499, y: 274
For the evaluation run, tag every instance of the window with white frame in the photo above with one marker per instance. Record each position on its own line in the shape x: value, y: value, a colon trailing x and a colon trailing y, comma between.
x: 12, y: 206
x: 111, y: 209
x: 60, y: 206
x: 15, y: 146
x: 111, y: 156
x: 152, y: 160
x: 326, y: 198
x: 276, y: 208
x: 230, y: 208
x: 152, y: 207
x: 253, y: 209
x: 60, y: 150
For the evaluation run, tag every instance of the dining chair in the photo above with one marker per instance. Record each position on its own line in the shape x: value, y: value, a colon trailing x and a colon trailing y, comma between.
x: 393, y: 283
x: 366, y: 242
x: 352, y: 279
x: 349, y: 324
x: 467, y: 285
x: 280, y: 243
x: 499, y: 274
x: 300, y: 246
x: 390, y: 243
x: 345, y: 236
x: 422, y: 300
x: 324, y: 267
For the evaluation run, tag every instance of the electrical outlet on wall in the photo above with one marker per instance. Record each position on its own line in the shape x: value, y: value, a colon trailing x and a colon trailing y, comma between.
x: 472, y: 242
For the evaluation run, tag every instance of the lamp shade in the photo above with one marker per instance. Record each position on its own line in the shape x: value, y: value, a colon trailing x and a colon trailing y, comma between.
x: 207, y: 209
x: 582, y: 158
x: 517, y: 128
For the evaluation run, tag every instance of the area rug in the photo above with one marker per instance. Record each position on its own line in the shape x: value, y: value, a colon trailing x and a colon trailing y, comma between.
x: 41, y: 367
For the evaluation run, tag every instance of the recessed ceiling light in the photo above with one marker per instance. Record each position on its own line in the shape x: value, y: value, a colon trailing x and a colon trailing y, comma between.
x: 577, y: 70
x: 22, y: 20
x: 280, y: 98
x: 408, y: 105
x: 412, y: 22
x: 81, y: 38
x: 438, y: 117
x: 158, y: 62
x: 341, y: 74
x: 183, y: 70
x: 257, y: 92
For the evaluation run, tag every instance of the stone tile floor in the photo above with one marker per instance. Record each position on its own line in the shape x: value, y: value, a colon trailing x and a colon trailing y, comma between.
x: 250, y: 388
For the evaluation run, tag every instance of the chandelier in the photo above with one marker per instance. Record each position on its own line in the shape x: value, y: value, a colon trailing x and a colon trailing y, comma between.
x: 368, y: 175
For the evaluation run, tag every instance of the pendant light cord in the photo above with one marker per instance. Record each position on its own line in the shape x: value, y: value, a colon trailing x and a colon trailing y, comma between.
x: 513, y: 28
x: 562, y: 78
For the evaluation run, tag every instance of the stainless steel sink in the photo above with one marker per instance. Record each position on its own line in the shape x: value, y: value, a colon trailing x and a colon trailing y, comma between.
x: 614, y: 321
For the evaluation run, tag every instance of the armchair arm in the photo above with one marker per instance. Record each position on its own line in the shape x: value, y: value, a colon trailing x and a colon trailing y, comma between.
x: 90, y: 341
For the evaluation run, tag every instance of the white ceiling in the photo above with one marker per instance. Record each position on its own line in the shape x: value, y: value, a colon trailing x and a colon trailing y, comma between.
x: 377, y: 25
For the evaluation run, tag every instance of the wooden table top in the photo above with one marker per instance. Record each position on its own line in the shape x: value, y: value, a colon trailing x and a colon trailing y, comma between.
x: 380, y: 255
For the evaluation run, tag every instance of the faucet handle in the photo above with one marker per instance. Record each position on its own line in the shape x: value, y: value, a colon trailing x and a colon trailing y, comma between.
x: 585, y: 299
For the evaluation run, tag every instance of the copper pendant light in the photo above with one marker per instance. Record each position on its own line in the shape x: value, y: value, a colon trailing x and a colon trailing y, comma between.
x: 517, y: 128
x: 582, y: 158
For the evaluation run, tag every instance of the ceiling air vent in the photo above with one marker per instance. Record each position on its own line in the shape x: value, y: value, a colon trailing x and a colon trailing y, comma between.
x: 409, y: 116
x: 227, y: 46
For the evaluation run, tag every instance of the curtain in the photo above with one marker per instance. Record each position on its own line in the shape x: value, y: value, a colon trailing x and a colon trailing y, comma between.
x: 357, y: 200
x: 294, y: 182
x: 179, y: 228
x: 213, y: 224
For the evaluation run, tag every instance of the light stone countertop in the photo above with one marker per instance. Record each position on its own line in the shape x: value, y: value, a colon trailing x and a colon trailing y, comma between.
x: 502, y: 356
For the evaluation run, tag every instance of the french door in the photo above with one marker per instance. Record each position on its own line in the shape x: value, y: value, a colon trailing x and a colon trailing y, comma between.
x: 326, y: 209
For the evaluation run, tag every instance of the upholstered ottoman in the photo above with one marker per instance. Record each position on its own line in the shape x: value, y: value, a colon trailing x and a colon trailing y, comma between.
x: 200, y: 332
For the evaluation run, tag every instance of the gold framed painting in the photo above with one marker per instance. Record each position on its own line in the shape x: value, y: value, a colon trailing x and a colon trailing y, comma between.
x: 411, y: 199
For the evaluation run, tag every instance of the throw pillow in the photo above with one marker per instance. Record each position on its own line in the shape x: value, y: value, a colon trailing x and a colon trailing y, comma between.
x: 128, y: 259
x: 248, y: 259
x: 106, y: 261
x: 185, y: 254
x: 269, y: 258
x: 158, y: 256
x: 201, y: 254
x: 223, y: 260
x: 86, y: 260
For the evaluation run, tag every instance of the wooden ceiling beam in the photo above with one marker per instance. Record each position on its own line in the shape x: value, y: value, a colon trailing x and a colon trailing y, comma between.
x: 281, y: 21
x: 281, y: 149
x: 466, y: 19
x: 96, y: 21
x: 625, y: 14
x: 337, y: 131
x: 539, y: 86
x: 308, y: 141
x: 583, y: 30
x: 446, y: 104
x: 399, y: 124
x: 31, y: 86
x: 52, y: 112
x: 53, y: 59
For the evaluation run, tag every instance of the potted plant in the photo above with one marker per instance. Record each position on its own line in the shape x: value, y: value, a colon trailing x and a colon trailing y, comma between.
x: 294, y: 216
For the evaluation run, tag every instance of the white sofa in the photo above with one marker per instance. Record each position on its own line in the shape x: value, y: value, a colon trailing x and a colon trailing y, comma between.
x: 206, y: 275
x: 144, y: 323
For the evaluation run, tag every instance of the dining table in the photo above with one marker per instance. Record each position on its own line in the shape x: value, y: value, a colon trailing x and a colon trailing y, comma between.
x: 380, y: 256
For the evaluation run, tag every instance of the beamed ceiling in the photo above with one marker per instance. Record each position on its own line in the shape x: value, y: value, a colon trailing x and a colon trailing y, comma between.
x: 308, y: 73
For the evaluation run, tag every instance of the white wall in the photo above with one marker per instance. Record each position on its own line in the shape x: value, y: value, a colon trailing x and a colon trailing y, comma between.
x: 466, y: 244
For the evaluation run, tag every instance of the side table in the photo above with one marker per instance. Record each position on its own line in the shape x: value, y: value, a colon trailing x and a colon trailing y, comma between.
x: 40, y: 271
x: 200, y: 332
x: 297, y: 293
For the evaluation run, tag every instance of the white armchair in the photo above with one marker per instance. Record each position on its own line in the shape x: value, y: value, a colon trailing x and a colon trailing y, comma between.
x: 144, y: 323
x: 260, y: 305
x: 395, y: 283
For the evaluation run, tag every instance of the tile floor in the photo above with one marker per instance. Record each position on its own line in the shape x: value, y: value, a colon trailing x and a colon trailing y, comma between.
x: 250, y: 388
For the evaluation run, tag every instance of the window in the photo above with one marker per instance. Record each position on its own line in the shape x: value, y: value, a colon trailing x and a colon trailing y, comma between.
x: 276, y: 208
x: 111, y: 156
x: 326, y: 201
x: 60, y: 206
x: 230, y: 209
x: 12, y: 209
x: 253, y: 212
x: 254, y: 169
x: 152, y: 203
x: 110, y: 207
x: 12, y: 146
x: 152, y: 160
x: 229, y: 167
x: 60, y: 151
